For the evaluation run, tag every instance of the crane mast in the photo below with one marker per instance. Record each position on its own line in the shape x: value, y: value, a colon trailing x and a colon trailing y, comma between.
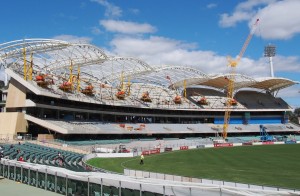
x: 231, y: 80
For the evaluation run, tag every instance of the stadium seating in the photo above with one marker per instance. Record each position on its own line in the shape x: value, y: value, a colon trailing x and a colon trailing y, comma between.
x: 44, y: 155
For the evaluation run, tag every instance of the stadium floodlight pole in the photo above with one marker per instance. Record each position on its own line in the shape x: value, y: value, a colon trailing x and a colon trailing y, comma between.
x: 270, y: 51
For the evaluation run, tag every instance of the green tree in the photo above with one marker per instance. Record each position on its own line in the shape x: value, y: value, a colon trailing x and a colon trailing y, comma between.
x: 293, y: 116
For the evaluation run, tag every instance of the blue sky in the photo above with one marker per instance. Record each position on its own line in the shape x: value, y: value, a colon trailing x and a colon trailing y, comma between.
x: 192, y: 33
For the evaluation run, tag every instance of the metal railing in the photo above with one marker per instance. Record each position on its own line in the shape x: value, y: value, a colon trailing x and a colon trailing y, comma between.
x: 66, y: 182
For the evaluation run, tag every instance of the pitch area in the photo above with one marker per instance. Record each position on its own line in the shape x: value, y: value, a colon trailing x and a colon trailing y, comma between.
x: 270, y: 165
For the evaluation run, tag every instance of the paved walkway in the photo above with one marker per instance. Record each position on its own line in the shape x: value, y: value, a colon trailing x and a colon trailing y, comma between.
x: 12, y: 188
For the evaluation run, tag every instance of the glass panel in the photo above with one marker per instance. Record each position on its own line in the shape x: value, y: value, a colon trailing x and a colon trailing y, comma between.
x: 51, y: 182
x: 77, y: 187
x: 61, y: 185
x: 32, y: 178
x: 25, y: 176
x: 110, y: 191
x: 41, y: 180
x: 11, y: 172
x: 71, y: 187
x: 130, y: 192
x: 95, y: 189
x: 133, y: 190
x: 18, y: 174
x: 5, y: 175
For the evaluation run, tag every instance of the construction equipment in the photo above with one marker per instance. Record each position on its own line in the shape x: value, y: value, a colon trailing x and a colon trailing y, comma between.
x: 122, y: 92
x: 43, y: 80
x: 123, y: 149
x: 264, y: 136
x: 177, y: 98
x: 146, y: 97
x: 67, y: 86
x: 231, y: 81
x: 88, y: 90
x: 203, y: 101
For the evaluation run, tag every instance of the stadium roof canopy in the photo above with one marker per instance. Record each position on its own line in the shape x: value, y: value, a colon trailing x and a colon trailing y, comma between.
x: 56, y: 57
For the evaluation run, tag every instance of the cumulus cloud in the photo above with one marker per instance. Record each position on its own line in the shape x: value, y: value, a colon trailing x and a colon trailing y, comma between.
x: 134, y: 11
x: 286, y: 64
x: 243, y: 12
x: 125, y: 27
x: 73, y: 38
x: 280, y: 20
x: 211, y: 5
x: 291, y: 95
x: 160, y: 50
x: 110, y: 9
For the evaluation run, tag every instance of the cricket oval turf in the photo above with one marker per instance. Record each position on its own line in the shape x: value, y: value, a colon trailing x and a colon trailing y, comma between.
x: 270, y: 165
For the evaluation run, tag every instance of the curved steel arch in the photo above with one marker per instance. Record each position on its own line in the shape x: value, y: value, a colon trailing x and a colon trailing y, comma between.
x: 162, y: 76
x: 46, y: 48
x: 190, y: 69
x: 14, y: 49
x: 127, y: 66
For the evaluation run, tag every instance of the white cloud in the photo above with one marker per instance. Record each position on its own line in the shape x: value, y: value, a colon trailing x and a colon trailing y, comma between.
x: 231, y: 20
x: 211, y: 5
x: 286, y: 64
x: 291, y: 95
x: 290, y: 92
x: 73, y: 38
x: 134, y: 11
x: 243, y: 12
x: 280, y: 20
x: 161, y: 50
x: 127, y: 27
x: 110, y: 9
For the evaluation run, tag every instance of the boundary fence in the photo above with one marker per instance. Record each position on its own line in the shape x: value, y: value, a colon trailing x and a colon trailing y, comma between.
x: 66, y: 182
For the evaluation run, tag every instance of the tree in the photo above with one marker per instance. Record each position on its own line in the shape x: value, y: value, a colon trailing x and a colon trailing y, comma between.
x: 293, y: 116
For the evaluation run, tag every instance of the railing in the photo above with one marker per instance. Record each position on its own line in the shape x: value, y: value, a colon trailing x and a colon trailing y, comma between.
x: 66, y: 182
x: 146, y: 174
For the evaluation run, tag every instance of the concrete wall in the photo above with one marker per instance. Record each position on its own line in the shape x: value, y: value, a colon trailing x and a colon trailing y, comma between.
x: 12, y: 123
x: 16, y: 95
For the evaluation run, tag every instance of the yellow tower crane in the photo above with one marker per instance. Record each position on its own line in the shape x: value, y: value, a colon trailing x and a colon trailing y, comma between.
x: 231, y: 80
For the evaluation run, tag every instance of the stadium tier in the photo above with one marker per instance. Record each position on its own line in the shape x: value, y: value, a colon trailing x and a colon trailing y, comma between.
x: 70, y: 89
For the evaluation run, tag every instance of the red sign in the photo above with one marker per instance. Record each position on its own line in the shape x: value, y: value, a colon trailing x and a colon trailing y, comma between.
x: 267, y: 143
x: 184, y: 147
x: 247, y: 144
x: 223, y: 145
x: 156, y: 151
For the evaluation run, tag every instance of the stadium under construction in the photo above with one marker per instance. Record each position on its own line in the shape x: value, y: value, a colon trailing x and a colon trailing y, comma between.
x: 68, y: 90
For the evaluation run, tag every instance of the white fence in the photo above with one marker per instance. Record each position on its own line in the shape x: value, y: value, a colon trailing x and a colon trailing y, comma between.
x: 146, y: 174
x: 67, y: 182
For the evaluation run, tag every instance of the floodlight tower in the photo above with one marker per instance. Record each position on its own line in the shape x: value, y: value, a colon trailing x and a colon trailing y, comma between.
x: 270, y: 51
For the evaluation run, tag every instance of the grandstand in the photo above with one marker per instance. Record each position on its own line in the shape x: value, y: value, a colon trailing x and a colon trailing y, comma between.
x: 72, y: 89
x: 77, y: 95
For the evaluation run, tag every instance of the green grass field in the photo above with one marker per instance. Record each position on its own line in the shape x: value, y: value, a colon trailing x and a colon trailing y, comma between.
x: 270, y: 165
